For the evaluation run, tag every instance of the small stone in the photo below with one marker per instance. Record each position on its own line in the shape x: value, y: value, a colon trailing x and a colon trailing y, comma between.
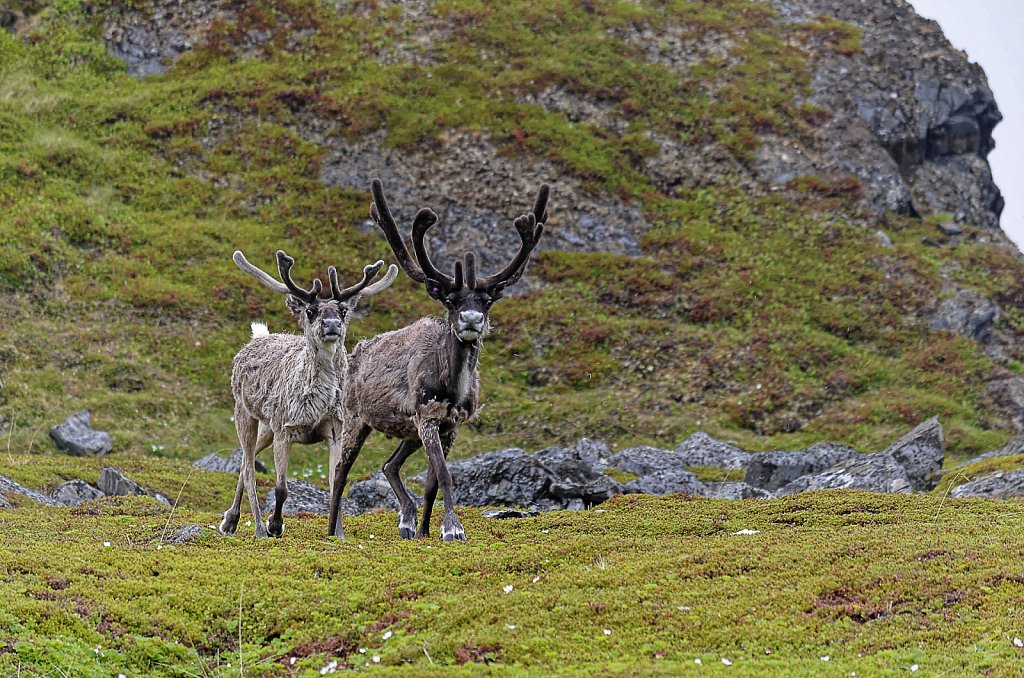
x: 949, y: 228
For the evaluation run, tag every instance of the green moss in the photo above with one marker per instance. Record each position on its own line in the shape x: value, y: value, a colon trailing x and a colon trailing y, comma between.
x: 666, y: 577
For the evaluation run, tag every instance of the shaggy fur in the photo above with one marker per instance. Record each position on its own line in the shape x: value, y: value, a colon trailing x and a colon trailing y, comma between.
x: 420, y: 383
x: 287, y: 388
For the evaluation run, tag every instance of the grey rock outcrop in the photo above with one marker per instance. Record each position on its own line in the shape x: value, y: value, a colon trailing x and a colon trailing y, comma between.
x: 920, y: 452
x: 1006, y: 396
x: 114, y: 483
x: 8, y: 486
x: 912, y: 117
x: 967, y: 313
x: 76, y: 437
x: 1007, y: 485
x: 772, y: 470
x: 3, y: 502
x: 506, y: 514
x: 875, y: 473
x: 232, y: 464
x: 75, y: 492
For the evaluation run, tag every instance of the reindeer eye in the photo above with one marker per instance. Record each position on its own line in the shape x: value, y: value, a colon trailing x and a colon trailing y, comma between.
x: 311, y: 312
x: 449, y: 302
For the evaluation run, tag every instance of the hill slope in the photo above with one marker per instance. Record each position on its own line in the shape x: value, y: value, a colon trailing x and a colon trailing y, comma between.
x: 696, y: 275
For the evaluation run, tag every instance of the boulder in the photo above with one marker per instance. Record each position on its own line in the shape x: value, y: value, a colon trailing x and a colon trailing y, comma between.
x: 580, y: 464
x: 509, y: 477
x: 734, y: 490
x: 75, y: 492
x: 772, y: 470
x: 375, y: 493
x: 4, y: 503
x: 1006, y: 485
x: 230, y: 464
x: 8, y: 486
x: 643, y: 460
x: 600, y: 489
x: 700, y: 449
x: 304, y: 497
x: 872, y: 472
x: 114, y: 483
x: 76, y: 436
x: 920, y: 453
x: 666, y: 482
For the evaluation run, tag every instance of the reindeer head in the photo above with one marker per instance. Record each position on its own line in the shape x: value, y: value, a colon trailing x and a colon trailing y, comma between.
x: 467, y: 298
x: 324, y: 321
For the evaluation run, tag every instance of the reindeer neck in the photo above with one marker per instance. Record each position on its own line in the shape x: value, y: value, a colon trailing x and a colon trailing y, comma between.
x: 462, y: 362
x: 323, y: 360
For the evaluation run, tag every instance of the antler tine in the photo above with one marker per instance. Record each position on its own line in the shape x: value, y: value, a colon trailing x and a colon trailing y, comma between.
x: 284, y: 266
x: 369, y: 271
x: 383, y: 283
x: 459, y: 280
x: 423, y: 221
x: 529, y: 233
x: 470, y: 263
x: 264, y: 278
x: 540, y: 206
x: 381, y: 215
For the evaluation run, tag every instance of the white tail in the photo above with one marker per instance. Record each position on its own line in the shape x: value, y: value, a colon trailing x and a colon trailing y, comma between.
x: 260, y: 330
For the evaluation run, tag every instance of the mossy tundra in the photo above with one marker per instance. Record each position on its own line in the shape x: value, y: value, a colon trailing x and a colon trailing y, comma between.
x: 769, y: 319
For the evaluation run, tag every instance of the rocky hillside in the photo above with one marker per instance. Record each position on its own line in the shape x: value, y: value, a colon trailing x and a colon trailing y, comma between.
x: 770, y: 221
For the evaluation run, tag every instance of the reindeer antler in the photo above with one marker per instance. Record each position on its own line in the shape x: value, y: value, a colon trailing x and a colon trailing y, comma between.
x: 369, y: 271
x: 381, y: 215
x: 530, y: 228
x: 284, y: 267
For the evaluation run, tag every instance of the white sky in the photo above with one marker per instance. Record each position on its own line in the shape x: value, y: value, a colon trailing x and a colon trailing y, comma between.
x: 991, y: 32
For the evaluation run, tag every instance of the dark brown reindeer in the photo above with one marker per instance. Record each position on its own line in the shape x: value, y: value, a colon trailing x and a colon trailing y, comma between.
x: 420, y: 383
x: 287, y: 387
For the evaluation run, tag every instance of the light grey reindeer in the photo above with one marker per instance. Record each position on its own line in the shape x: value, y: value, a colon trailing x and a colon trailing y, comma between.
x: 287, y: 387
x: 420, y: 383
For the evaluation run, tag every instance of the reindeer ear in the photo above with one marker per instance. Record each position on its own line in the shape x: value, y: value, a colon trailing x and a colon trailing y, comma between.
x: 435, y: 290
x: 295, y: 304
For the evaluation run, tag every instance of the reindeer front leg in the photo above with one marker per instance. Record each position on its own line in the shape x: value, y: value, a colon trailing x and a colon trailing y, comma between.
x: 392, y: 471
x: 451, y: 528
x: 345, y: 448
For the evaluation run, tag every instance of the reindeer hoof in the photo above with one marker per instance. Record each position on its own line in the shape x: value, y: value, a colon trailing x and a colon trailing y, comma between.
x: 275, y: 529
x: 455, y: 533
x: 229, y: 524
x: 407, y: 533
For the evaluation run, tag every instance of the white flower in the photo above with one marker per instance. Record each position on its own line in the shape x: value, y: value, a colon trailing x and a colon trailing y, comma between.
x: 507, y: 588
x: 511, y: 627
x: 536, y: 579
x: 371, y: 536
x: 546, y: 531
x: 914, y: 667
x: 362, y: 650
x: 291, y: 661
x: 607, y: 632
x: 697, y: 661
x: 825, y: 658
x: 746, y: 532
x: 376, y: 659
x: 106, y: 543
x: 1018, y: 642
x: 684, y: 608
x: 726, y: 661
x: 387, y: 634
